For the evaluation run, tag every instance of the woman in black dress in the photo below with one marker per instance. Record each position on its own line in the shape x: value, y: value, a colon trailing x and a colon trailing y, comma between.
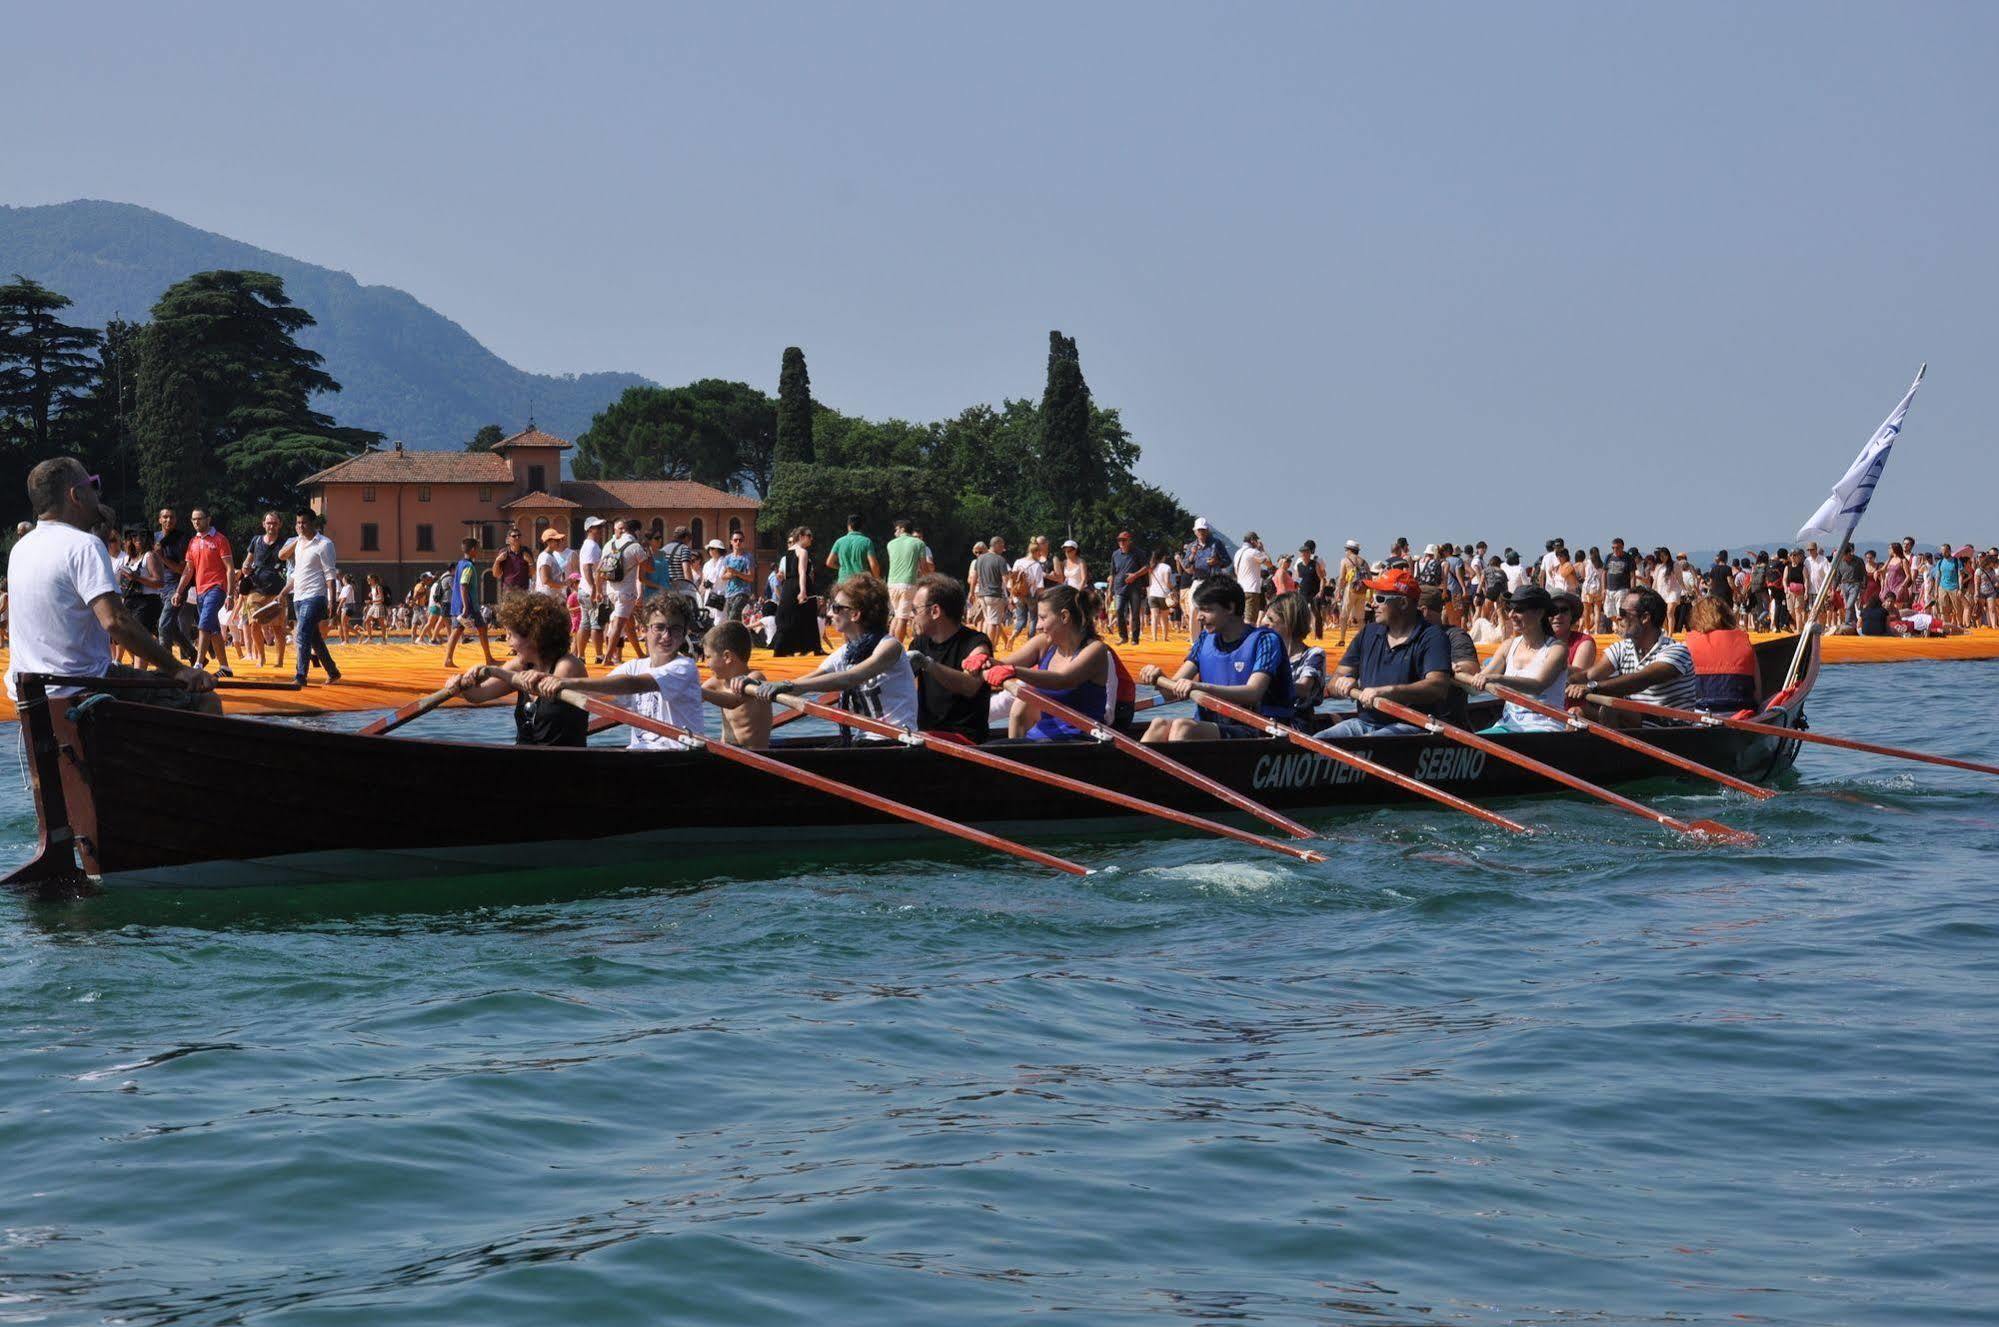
x: 797, y: 605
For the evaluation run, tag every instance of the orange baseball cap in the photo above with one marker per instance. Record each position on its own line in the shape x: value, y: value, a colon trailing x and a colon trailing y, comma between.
x: 1395, y: 580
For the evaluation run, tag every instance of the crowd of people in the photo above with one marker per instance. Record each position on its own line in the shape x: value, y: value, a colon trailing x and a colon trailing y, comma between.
x: 973, y: 658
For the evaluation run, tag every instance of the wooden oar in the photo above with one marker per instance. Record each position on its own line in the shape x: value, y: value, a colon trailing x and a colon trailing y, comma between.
x: 231, y: 684
x: 1711, y: 828
x: 416, y: 709
x: 1083, y: 723
x: 599, y: 725
x: 1624, y: 739
x: 977, y: 756
x: 1250, y: 717
x: 1788, y: 734
x: 874, y: 801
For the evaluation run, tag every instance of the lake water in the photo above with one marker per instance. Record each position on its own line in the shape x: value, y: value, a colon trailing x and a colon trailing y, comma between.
x: 1446, y: 1077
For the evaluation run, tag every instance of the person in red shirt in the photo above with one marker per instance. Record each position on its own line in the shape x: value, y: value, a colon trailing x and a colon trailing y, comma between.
x: 208, y: 579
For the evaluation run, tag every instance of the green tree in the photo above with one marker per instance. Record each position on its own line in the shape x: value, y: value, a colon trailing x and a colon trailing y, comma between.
x: 99, y: 428
x: 483, y: 440
x: 794, y: 411
x: 224, y: 399
x: 46, y: 368
x: 713, y: 432
x: 1071, y: 463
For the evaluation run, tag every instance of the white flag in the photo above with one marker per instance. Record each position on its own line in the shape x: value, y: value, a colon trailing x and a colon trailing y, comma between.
x: 1835, y: 520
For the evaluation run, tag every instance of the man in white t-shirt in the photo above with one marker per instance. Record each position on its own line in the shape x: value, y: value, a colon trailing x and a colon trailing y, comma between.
x: 663, y: 685
x: 589, y: 631
x: 63, y: 602
x: 1251, y: 564
x: 627, y: 557
x: 312, y: 587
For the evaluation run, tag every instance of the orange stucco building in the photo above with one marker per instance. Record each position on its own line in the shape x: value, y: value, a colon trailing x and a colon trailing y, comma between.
x: 399, y: 513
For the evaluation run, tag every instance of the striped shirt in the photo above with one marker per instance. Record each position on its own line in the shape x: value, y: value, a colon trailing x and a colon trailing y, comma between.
x: 1679, y: 691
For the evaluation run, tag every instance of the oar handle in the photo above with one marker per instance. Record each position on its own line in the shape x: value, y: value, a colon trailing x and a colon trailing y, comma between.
x: 1243, y: 715
x: 977, y: 756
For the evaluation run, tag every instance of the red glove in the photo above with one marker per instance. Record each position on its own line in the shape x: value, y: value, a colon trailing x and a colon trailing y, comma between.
x: 977, y: 662
x: 999, y: 675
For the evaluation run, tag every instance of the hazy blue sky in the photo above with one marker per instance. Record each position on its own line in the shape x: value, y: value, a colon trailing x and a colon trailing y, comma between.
x: 1456, y: 270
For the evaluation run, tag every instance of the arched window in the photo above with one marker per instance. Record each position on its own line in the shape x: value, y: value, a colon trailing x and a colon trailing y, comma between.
x: 540, y: 524
x: 694, y: 528
x: 659, y: 527
x: 735, y: 525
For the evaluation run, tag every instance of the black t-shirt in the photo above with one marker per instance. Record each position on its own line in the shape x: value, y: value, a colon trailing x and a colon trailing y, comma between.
x: 1616, y: 572
x: 938, y: 708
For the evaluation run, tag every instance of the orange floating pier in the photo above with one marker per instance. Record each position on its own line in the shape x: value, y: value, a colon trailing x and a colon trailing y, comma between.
x: 375, y: 677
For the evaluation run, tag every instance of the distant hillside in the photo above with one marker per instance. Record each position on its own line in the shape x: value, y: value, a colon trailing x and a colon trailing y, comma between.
x: 407, y: 370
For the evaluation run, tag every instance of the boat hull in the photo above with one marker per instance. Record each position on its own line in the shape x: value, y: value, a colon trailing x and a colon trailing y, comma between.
x: 151, y: 797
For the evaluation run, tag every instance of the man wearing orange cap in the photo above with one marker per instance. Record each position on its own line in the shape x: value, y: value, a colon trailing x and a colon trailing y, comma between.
x: 1398, y: 657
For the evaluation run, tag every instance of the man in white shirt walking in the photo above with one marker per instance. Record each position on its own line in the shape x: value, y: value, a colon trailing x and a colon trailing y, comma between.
x: 64, y: 604
x: 589, y: 630
x: 311, y: 556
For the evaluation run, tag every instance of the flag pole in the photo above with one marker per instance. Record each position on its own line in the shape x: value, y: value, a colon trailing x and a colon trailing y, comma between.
x: 1840, y: 514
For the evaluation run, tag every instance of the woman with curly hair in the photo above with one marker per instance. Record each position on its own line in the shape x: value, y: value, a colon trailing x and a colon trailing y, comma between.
x: 537, y: 630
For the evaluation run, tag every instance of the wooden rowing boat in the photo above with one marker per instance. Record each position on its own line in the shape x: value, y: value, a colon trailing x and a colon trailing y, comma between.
x: 130, y: 795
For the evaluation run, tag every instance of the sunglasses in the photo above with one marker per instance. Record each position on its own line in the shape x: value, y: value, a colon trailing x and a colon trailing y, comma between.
x: 1380, y: 599
x: 839, y: 607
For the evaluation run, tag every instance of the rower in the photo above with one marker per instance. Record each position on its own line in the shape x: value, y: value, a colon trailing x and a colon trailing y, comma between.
x: 949, y: 698
x: 537, y: 631
x: 666, y: 684
x: 1533, y: 660
x: 1397, y: 657
x: 1645, y: 663
x: 870, y: 670
x: 1067, y: 659
x: 1291, y: 615
x: 1726, y: 678
x: 1230, y: 659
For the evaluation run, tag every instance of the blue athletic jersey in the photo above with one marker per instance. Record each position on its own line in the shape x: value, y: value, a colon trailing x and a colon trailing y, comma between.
x: 1233, y: 663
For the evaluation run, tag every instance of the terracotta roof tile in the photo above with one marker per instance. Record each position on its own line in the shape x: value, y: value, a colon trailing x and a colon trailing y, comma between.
x: 538, y: 499
x: 413, y: 467
x: 532, y: 437
x: 611, y: 495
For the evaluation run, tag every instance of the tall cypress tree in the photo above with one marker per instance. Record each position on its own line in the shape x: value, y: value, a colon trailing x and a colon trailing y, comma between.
x: 794, y: 410
x: 167, y: 431
x: 1071, y: 466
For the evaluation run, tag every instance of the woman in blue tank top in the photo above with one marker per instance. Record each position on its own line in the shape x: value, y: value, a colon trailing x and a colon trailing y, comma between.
x: 1064, y: 658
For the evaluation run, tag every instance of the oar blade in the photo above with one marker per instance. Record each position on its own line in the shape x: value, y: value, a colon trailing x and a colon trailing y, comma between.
x: 1728, y: 834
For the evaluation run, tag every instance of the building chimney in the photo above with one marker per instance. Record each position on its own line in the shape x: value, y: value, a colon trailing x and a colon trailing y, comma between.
x: 399, y: 446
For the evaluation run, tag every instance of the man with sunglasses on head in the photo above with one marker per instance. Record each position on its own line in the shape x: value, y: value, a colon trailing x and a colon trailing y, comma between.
x: 1646, y: 663
x: 1397, y: 657
x: 949, y: 698
x: 64, y: 603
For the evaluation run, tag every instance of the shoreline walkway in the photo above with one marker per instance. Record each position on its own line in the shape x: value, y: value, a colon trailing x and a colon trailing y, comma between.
x: 375, y: 677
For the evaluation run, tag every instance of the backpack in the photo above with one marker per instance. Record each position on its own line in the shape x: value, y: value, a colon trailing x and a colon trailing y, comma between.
x: 613, y: 564
x: 1430, y: 571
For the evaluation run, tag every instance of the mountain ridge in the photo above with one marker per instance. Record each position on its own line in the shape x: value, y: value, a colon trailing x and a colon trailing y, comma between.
x: 406, y: 370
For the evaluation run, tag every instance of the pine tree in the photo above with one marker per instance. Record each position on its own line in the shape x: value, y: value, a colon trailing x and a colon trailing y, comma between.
x: 225, y: 391
x: 46, y: 368
x: 794, y: 411
x: 1072, y: 467
x: 483, y: 440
